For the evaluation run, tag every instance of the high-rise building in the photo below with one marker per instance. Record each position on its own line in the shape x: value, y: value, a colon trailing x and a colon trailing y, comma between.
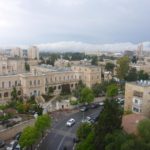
x: 17, y: 52
x: 33, y: 53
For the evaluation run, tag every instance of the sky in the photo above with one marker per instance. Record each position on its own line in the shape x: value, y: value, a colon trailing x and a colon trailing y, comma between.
x: 74, y: 24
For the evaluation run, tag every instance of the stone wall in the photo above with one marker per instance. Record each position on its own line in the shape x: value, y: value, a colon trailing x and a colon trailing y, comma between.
x: 11, y: 132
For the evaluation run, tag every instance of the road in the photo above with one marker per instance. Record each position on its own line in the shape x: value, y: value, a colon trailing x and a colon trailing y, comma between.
x: 61, y: 136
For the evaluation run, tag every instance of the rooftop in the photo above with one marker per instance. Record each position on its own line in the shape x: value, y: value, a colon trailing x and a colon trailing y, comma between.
x: 143, y: 83
x: 55, y: 69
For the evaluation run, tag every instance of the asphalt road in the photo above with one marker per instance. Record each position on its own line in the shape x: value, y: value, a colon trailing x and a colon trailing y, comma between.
x: 60, y: 136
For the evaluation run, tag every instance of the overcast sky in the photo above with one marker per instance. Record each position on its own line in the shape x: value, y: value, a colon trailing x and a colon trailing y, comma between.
x: 81, y: 22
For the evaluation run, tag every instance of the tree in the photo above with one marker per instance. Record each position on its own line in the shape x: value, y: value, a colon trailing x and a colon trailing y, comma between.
x: 14, y: 95
x: 78, y: 89
x: 42, y: 123
x: 114, y: 141
x: 142, y: 75
x: 50, y: 91
x: 65, y: 89
x: 144, y: 130
x: 112, y: 90
x: 97, y: 89
x: 132, y: 75
x: 27, y: 66
x: 83, y: 130
x: 109, y: 66
x: 28, y: 137
x: 94, y: 60
x: 110, y: 119
x: 87, y: 95
x: 122, y: 67
x: 134, y: 59
x: 87, y: 143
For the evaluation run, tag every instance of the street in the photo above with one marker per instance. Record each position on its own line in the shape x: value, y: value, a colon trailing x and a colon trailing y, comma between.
x: 60, y: 136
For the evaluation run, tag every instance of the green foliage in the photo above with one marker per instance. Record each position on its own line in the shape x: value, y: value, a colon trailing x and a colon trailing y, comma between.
x: 97, y: 89
x: 83, y: 130
x: 73, y: 102
x: 144, y: 130
x: 112, y: 90
x: 132, y: 75
x: 87, y: 95
x: 28, y: 137
x: 65, y: 89
x: 78, y: 89
x: 109, y: 120
x: 109, y: 66
x: 50, y: 91
x: 42, y: 123
x: 142, y: 75
x: 5, y: 117
x: 87, y: 143
x: 14, y: 95
x: 27, y: 66
x: 122, y: 67
x: 94, y: 60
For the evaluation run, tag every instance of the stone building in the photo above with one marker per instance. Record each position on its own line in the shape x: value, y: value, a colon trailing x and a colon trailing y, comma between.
x: 137, y: 97
x: 41, y: 77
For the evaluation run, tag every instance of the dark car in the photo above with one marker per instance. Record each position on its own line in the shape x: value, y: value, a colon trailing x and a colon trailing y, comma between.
x: 76, y: 140
x: 2, y: 143
x: 17, y: 136
x: 84, y: 108
x: 94, y: 106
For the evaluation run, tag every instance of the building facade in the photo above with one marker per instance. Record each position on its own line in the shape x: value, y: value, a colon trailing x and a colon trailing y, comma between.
x: 41, y: 77
x: 137, y: 97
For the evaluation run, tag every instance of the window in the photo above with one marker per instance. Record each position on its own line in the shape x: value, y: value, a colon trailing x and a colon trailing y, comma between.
x: 30, y: 83
x: 34, y: 82
x: 9, y: 84
x: 136, y: 109
x: 38, y: 93
x: 136, y: 101
x: 138, y: 94
x: 3, y: 84
x: 0, y: 95
x: 38, y: 82
x: 6, y: 94
x: 15, y: 83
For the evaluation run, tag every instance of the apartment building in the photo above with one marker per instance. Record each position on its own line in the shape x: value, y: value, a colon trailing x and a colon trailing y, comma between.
x: 137, y: 97
x: 33, y: 53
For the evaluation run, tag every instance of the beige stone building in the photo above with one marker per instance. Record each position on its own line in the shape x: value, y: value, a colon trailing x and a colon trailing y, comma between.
x: 41, y: 77
x: 137, y: 97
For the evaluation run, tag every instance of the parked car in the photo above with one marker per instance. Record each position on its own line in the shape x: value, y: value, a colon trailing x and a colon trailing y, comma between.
x: 84, y: 108
x: 12, y: 145
x: 101, y: 103
x: 76, y: 140
x: 94, y: 119
x: 94, y: 106
x: 17, y: 136
x: 2, y: 143
x: 70, y: 122
x: 86, y: 120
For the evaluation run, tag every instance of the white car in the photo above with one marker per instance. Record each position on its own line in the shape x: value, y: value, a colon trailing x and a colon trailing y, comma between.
x: 12, y: 145
x: 70, y: 122
x: 101, y: 103
x: 87, y: 120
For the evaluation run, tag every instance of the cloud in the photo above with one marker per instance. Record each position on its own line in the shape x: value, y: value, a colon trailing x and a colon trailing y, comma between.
x: 80, y: 46
x: 89, y: 21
